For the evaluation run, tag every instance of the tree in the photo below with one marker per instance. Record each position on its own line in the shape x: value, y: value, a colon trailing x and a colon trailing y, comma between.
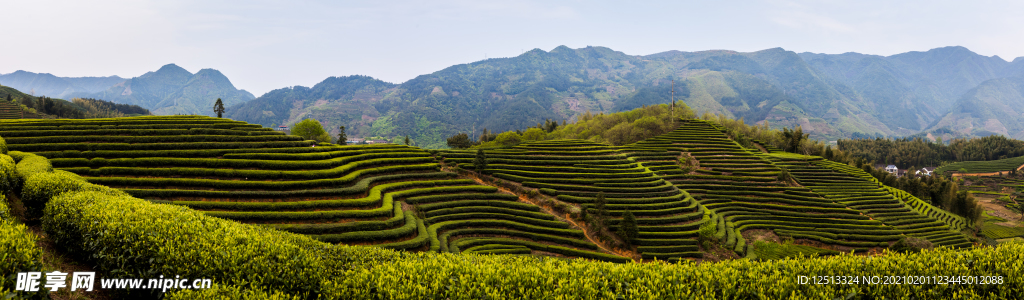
x: 218, y: 108
x: 828, y: 152
x: 628, y: 230
x: 407, y: 142
x: 1018, y: 199
x: 534, y: 134
x: 480, y: 162
x: 311, y: 129
x: 792, y: 139
x: 460, y: 141
x: 784, y: 176
x: 342, y: 137
x: 508, y: 138
x: 599, y: 205
x: 687, y: 163
x: 964, y: 204
x: 549, y: 125
x: 9, y: 98
x: 485, y: 136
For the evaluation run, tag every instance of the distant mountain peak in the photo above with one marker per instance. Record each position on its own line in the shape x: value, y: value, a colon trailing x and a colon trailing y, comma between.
x: 171, y: 67
x: 210, y: 73
x: 561, y: 48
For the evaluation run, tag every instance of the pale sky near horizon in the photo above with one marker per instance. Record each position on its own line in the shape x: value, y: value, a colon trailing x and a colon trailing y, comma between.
x: 263, y: 45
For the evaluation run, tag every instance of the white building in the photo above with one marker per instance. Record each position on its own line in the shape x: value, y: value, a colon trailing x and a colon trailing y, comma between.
x: 926, y: 171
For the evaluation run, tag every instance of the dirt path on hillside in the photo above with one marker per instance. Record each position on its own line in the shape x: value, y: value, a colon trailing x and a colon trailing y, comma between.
x: 56, y: 259
x: 759, y: 147
x: 548, y: 210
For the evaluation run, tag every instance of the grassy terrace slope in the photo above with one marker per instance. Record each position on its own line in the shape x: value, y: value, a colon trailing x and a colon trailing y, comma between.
x: 125, y: 237
x: 740, y: 186
x: 575, y: 171
x: 859, y: 190
x: 984, y: 167
x: 385, y: 195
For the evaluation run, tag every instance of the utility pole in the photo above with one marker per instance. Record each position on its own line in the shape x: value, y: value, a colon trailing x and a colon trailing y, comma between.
x: 672, y: 107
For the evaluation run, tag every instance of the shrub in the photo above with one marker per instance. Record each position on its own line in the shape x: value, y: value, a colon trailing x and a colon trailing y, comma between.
x: 41, y: 187
x: 8, y: 174
x: 311, y: 129
x: 534, y: 134
x: 3, y: 146
x: 127, y: 237
x: 19, y: 251
x: 508, y: 138
x: 460, y: 141
x: 911, y: 244
x: 784, y: 176
x: 707, y: 232
x: 221, y: 291
x: 32, y: 164
x: 480, y: 162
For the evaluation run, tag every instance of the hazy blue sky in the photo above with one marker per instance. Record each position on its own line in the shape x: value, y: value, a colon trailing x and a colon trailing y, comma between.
x: 265, y: 45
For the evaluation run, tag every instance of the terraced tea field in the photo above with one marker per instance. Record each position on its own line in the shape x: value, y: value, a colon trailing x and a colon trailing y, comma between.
x: 388, y: 196
x: 395, y: 196
x: 11, y: 110
x: 983, y: 168
x: 741, y: 187
x: 575, y: 171
x: 858, y: 190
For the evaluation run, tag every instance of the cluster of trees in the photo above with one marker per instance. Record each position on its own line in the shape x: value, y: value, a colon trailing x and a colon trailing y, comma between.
x: 311, y: 129
x: 628, y: 229
x: 940, y: 191
x: 105, y: 109
x: 54, y: 107
x: 920, y: 152
x: 77, y: 108
x: 617, y: 129
x: 789, y: 140
x: 625, y: 127
x: 509, y: 138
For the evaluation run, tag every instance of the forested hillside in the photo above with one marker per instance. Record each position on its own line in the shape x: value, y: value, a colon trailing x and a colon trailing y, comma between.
x: 829, y: 96
x: 994, y: 107
x: 944, y: 92
x: 906, y: 153
x: 17, y: 105
x: 337, y: 101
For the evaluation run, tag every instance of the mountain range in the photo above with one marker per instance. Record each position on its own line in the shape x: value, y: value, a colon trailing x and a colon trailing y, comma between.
x: 944, y: 92
x: 44, y: 84
x: 169, y: 90
x: 831, y: 96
